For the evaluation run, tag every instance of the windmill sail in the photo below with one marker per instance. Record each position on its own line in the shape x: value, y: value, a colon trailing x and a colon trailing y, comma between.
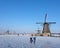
x: 45, y: 17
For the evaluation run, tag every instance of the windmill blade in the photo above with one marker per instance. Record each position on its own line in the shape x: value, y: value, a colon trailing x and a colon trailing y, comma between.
x: 39, y: 23
x: 45, y: 17
x: 52, y: 22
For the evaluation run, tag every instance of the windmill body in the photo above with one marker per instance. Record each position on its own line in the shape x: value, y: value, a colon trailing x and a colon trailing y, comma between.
x: 46, y: 28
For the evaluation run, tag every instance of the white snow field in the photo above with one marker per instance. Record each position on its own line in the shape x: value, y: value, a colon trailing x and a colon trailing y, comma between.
x: 15, y: 41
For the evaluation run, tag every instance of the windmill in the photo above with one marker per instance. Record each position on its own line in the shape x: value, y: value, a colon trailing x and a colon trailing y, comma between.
x: 38, y: 30
x: 46, y: 30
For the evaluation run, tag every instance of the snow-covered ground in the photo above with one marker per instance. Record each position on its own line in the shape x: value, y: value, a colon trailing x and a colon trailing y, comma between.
x: 14, y: 41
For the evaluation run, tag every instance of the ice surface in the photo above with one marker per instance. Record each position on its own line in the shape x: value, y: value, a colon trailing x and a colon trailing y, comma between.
x: 14, y: 41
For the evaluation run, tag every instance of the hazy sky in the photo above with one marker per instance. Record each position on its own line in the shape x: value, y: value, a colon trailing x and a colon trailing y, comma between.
x: 21, y: 15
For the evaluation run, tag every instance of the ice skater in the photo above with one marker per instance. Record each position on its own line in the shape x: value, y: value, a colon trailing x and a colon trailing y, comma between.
x: 34, y: 39
x: 31, y: 40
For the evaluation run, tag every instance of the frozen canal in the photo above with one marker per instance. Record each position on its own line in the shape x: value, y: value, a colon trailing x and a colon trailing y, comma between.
x: 14, y: 41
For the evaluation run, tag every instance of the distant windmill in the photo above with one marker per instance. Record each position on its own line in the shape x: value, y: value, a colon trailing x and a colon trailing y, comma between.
x: 46, y: 29
x: 38, y: 30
